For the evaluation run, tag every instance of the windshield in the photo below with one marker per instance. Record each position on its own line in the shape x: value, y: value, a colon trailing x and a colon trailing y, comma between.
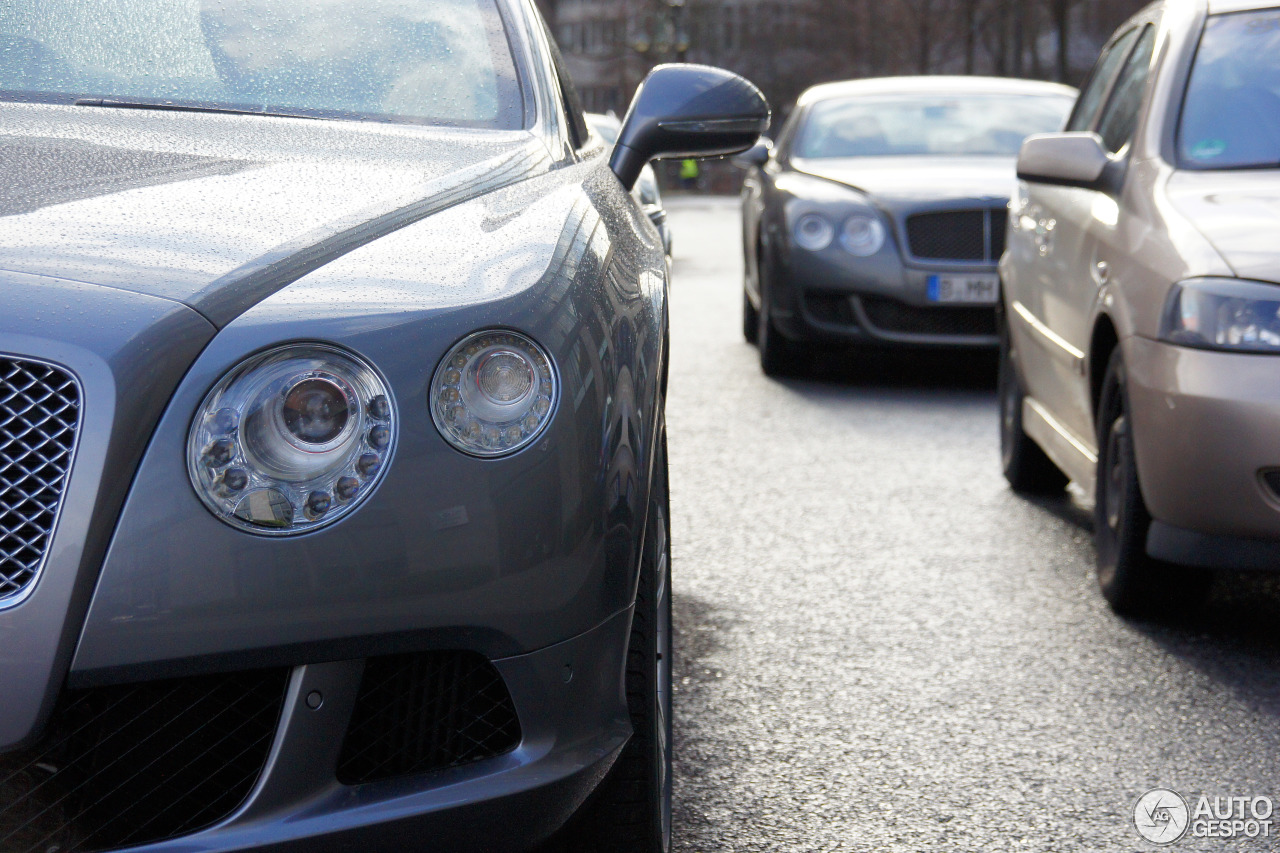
x: 425, y: 61
x: 928, y: 125
x: 1231, y: 115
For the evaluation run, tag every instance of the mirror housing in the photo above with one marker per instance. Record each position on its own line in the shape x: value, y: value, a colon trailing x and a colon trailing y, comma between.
x: 1068, y: 159
x: 756, y: 155
x: 688, y: 111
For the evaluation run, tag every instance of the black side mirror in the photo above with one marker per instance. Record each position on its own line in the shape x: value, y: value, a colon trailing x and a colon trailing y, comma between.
x: 688, y: 111
x: 756, y: 155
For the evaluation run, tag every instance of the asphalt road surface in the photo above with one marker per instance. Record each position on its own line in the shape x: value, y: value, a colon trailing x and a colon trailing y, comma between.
x: 880, y: 647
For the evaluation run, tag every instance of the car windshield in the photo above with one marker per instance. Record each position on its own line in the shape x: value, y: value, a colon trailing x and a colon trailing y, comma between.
x: 1231, y: 115
x: 928, y: 125
x: 424, y: 61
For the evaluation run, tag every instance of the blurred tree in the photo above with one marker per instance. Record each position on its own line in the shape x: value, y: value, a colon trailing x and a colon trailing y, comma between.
x: 785, y: 46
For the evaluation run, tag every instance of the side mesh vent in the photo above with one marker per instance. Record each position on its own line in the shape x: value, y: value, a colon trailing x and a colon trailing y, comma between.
x: 127, y: 765
x: 39, y: 413
x: 417, y: 713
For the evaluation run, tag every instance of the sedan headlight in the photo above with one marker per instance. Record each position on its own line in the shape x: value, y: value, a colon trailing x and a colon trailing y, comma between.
x: 292, y: 440
x: 862, y: 236
x: 494, y: 393
x: 813, y: 233
x: 1224, y: 314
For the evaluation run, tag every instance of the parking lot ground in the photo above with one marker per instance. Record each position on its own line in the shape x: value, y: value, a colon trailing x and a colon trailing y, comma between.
x: 881, y: 648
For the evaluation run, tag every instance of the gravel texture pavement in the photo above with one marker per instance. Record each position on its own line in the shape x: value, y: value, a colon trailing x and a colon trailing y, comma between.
x: 881, y: 648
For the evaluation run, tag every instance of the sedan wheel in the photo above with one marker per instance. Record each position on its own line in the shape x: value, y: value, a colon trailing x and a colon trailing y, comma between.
x: 779, y: 356
x: 1132, y: 582
x: 750, y: 319
x: 1025, y: 465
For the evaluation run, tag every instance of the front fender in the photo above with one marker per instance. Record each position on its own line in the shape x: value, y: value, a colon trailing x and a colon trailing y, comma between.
x: 502, y: 556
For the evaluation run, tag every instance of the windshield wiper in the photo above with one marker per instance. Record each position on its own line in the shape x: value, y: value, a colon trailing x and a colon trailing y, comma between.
x: 116, y: 103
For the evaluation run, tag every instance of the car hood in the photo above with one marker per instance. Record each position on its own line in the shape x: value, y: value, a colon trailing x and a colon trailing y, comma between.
x: 908, y: 179
x: 1238, y: 212
x: 220, y: 211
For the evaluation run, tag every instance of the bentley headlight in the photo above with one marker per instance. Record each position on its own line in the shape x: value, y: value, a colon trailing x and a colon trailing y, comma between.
x: 862, y: 236
x: 1224, y: 314
x: 292, y: 439
x: 813, y: 233
x: 494, y: 393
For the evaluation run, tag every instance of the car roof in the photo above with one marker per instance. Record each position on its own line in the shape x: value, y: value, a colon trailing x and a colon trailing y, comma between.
x: 933, y: 84
x: 1217, y: 7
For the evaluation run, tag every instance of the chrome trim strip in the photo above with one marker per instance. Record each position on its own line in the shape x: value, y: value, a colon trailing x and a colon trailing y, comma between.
x: 1062, y: 431
x: 1048, y: 334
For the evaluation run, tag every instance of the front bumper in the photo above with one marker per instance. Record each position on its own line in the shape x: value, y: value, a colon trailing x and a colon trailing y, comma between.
x: 1206, y: 428
x: 833, y: 297
x: 573, y: 721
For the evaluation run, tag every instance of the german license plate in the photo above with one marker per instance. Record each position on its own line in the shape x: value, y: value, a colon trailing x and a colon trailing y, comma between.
x: 975, y: 289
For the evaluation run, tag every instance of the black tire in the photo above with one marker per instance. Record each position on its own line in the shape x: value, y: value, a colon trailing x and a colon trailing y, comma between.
x: 779, y: 357
x: 631, y: 810
x: 1132, y: 582
x: 750, y: 319
x: 1026, y: 467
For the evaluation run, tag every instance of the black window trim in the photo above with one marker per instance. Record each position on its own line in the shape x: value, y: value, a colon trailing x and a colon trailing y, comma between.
x: 1146, y: 29
x: 1105, y: 101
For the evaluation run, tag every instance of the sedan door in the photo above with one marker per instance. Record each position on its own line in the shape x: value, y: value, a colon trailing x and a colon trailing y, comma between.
x: 1052, y: 297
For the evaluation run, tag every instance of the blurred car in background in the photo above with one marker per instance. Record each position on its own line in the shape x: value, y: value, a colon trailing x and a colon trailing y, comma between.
x: 646, y: 190
x: 879, y: 216
x: 1141, y: 312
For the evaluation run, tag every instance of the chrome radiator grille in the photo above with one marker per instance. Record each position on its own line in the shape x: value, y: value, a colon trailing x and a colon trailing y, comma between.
x: 39, y: 413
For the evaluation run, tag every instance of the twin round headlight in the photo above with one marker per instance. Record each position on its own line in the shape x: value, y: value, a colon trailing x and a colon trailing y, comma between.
x: 860, y: 235
x: 494, y: 393
x: 294, y: 439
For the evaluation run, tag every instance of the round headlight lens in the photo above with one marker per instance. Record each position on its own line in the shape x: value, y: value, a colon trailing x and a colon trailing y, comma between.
x: 862, y: 236
x: 813, y: 233
x: 494, y: 393
x: 291, y: 440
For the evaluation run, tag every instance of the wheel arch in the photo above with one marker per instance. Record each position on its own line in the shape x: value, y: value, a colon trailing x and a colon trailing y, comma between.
x: 1102, y: 343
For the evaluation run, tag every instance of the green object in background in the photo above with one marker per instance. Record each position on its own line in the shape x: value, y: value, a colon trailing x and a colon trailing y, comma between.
x: 689, y: 170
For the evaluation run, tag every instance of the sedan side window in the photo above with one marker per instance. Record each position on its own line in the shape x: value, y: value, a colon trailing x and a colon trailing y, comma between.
x: 1095, y: 92
x: 1120, y: 119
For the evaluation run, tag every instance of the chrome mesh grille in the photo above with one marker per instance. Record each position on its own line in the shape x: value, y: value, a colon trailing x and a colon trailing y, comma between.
x: 958, y: 235
x: 39, y: 413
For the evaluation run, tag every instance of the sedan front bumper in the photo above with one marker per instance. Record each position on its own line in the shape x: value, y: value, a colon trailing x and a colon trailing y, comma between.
x: 1206, y: 430
x: 572, y: 723
x: 831, y: 296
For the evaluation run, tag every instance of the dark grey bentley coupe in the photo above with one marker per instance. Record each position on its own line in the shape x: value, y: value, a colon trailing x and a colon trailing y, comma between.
x: 879, y: 217
x: 333, y: 505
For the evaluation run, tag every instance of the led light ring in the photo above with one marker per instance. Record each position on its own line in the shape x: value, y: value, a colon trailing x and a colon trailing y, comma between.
x: 237, y: 487
x: 458, y: 409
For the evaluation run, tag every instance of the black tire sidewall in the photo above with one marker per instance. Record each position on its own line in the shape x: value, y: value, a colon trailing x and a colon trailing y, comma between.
x: 1124, y: 570
x: 779, y: 357
x: 1025, y: 465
